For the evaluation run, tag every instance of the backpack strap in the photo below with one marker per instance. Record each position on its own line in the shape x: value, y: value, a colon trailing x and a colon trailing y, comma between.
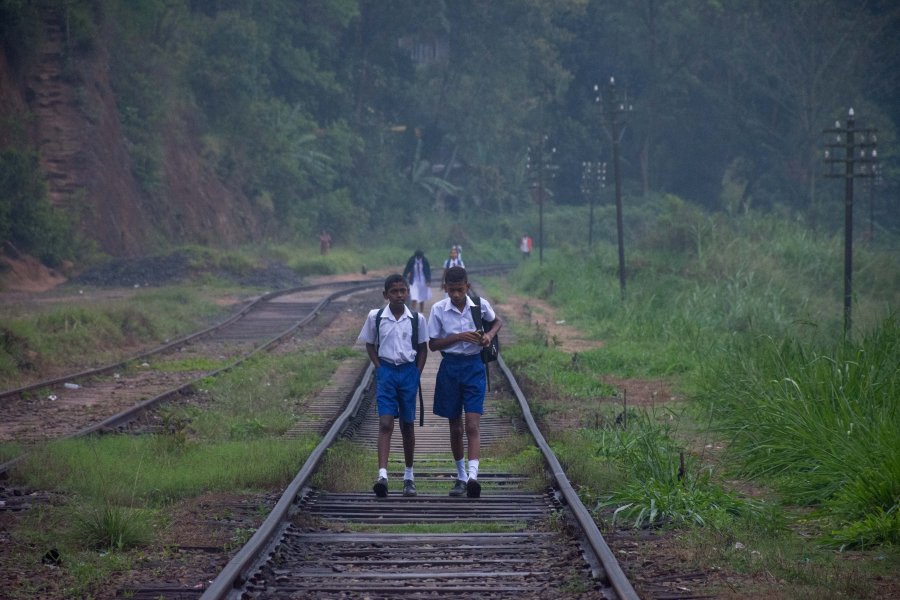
x: 378, y: 327
x: 476, y: 311
x: 415, y: 329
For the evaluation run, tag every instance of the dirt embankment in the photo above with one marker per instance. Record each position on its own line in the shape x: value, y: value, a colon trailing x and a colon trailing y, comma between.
x: 61, y: 102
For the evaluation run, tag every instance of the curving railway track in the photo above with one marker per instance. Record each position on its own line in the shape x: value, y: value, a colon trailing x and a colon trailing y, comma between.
x: 511, y: 542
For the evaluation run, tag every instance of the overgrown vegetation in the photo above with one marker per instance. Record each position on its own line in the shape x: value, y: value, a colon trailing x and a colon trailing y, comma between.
x: 115, y: 491
x: 61, y: 336
x: 27, y: 220
x: 744, y: 318
x: 356, y: 117
x: 824, y: 425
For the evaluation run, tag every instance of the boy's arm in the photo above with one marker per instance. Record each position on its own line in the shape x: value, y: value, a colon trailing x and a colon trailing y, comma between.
x: 495, y: 328
x: 438, y: 344
x: 421, y: 356
x: 373, y: 355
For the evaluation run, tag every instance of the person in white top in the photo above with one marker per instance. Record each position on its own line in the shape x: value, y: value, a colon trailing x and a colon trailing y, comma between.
x: 454, y: 260
x: 461, y: 378
x: 399, y: 360
x: 418, y: 273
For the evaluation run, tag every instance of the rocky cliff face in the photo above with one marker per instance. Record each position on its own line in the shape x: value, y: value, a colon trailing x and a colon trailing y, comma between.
x: 69, y: 113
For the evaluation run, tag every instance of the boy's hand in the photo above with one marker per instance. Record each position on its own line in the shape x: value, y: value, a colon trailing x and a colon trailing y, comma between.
x: 473, y: 337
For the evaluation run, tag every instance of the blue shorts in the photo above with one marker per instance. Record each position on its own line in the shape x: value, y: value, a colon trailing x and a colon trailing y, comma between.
x: 395, y: 390
x: 460, y: 385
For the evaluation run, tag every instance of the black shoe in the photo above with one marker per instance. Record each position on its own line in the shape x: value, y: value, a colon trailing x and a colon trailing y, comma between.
x: 380, y: 487
x: 459, y: 488
x: 409, y: 487
x: 473, y: 488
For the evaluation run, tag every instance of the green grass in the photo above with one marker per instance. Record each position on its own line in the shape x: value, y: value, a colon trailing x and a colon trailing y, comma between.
x: 824, y: 426
x: 745, y: 314
x: 63, y: 336
x: 263, y: 396
x: 151, y: 471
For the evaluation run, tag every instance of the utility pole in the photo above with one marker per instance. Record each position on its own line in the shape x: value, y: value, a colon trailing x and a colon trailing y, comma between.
x: 593, y: 180
x: 855, y: 148
x: 540, y: 167
x: 614, y: 108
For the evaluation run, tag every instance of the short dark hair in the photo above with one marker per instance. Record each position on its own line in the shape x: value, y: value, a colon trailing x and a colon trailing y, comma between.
x: 456, y: 275
x: 392, y: 279
x: 420, y: 253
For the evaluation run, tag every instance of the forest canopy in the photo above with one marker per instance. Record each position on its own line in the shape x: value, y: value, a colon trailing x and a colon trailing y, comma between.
x: 343, y: 114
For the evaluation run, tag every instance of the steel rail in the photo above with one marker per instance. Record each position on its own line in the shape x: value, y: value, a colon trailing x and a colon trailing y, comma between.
x: 133, y: 412
x: 617, y: 578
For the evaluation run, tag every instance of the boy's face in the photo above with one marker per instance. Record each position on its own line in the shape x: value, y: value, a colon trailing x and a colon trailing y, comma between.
x: 457, y: 292
x: 396, y: 294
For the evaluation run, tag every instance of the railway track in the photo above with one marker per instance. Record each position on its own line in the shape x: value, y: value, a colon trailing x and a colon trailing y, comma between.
x: 316, y: 543
x: 506, y: 544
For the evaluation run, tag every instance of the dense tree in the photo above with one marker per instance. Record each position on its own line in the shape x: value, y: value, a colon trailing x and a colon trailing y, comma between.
x: 322, y: 108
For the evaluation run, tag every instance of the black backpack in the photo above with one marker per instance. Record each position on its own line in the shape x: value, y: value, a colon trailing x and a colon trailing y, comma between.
x: 490, y: 352
x: 415, y: 345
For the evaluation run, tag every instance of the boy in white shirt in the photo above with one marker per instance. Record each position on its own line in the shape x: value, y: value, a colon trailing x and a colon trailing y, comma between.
x: 461, y: 378
x: 398, y: 360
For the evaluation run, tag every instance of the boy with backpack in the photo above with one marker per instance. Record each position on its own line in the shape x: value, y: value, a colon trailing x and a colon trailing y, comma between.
x: 461, y: 379
x: 395, y: 339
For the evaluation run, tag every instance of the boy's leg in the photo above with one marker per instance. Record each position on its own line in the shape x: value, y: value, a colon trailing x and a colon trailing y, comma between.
x: 473, y: 434
x: 408, y: 430
x: 385, y: 430
x: 456, y: 437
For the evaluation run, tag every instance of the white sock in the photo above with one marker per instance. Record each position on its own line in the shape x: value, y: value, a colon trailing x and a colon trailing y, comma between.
x: 408, y: 473
x: 473, y: 469
x: 461, y: 470
x: 382, y: 473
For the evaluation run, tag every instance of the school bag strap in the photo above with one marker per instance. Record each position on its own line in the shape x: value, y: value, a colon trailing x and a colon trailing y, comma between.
x: 415, y: 329
x: 490, y: 352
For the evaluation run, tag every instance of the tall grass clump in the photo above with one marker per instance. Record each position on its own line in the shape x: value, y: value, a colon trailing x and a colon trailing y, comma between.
x: 647, y: 478
x: 820, y: 424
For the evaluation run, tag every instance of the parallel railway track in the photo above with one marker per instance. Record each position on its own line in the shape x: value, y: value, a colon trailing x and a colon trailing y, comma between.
x: 111, y: 396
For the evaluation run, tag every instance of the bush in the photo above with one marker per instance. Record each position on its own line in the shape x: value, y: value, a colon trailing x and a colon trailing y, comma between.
x: 26, y: 217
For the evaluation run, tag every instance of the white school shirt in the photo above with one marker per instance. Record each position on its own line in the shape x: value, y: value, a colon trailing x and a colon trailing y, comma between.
x: 445, y: 320
x: 394, y: 345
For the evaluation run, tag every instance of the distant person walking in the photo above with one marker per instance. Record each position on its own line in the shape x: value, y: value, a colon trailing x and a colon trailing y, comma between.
x: 418, y: 273
x: 454, y: 260
x: 525, y: 246
x: 398, y: 360
x: 324, y: 242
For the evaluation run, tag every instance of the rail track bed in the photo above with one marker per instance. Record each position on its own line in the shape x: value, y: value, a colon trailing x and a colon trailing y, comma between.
x: 513, y: 541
